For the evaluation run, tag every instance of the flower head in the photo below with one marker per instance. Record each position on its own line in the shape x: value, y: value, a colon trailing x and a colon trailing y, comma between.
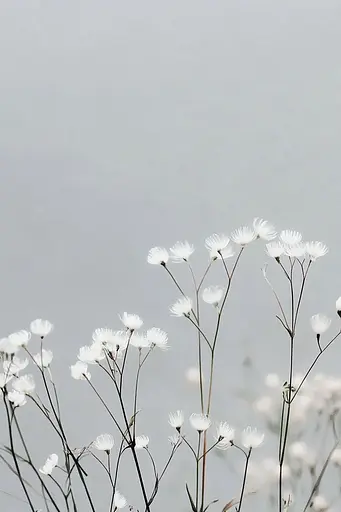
x: 50, y: 464
x: 117, y: 341
x: 14, y: 366
x: 200, y: 422
x: 320, y: 323
x: 104, y: 442
x: 119, y: 500
x: 43, y: 359
x: 176, y: 419
x: 7, y: 347
x: 79, y: 371
x: 24, y: 384
x: 316, y: 250
x: 139, y: 340
x: 91, y: 354
x: 225, y: 434
x: 182, y: 307
x: 193, y: 375
x: 18, y: 399
x: 274, y: 249
x: 252, y: 438
x: 290, y: 237
x: 158, y: 256
x: 243, y: 236
x: 320, y: 504
x: 212, y: 295
x: 20, y: 338
x: 216, y: 244
x: 158, y: 338
x: 102, y: 335
x: 295, y: 250
x: 181, y: 251
x: 41, y: 327
x: 131, y: 321
x: 264, y: 229
x: 175, y: 440
x: 141, y: 442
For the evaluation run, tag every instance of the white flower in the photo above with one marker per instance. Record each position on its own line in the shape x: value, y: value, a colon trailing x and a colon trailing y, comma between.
x: 320, y: 323
x: 117, y: 341
x: 4, y: 379
x: 20, y: 338
x: 104, y: 442
x: 274, y: 249
x: 176, y: 419
x: 193, y: 375
x: 316, y: 250
x: 102, y: 335
x: 290, y: 237
x: 141, y: 442
x: 298, y: 450
x: 243, y: 236
x: 158, y: 256
x: 336, y: 457
x: 131, y: 321
x: 91, y: 354
x: 181, y: 251
x: 264, y: 404
x: 18, y: 399
x: 14, y: 366
x: 157, y: 338
x: 7, y: 347
x: 295, y: 251
x: 119, y: 500
x: 182, y: 307
x: 225, y: 434
x: 139, y: 340
x: 252, y: 438
x: 174, y: 440
x: 272, y: 380
x: 338, y: 306
x: 264, y: 229
x: 43, y: 359
x: 200, y: 422
x: 320, y: 504
x: 41, y: 327
x: 24, y: 384
x: 216, y: 244
x: 212, y: 295
x: 50, y: 464
x: 79, y: 371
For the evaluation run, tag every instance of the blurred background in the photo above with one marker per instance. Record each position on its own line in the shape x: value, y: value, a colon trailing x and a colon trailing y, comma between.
x: 125, y: 125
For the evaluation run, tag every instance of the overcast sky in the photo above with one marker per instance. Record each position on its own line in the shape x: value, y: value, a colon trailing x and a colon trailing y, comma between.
x: 129, y: 124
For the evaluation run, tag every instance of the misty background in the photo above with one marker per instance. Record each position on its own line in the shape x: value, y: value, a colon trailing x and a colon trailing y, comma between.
x: 130, y: 124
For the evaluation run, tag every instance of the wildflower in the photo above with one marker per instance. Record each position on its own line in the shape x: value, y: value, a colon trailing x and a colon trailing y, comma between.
x: 264, y: 405
x: 104, y: 442
x: 320, y: 504
x: 181, y: 251
x: 91, y: 354
x: 50, y: 464
x: 212, y: 295
x: 264, y: 229
x: 18, y: 399
x: 157, y: 338
x: 7, y: 347
x: 320, y: 323
x: 20, y: 338
x: 225, y: 434
x: 243, y: 236
x: 117, y: 341
x: 24, y: 384
x: 290, y: 237
x: 176, y: 419
x: 41, y: 327
x: 216, y: 244
x: 131, y: 321
x: 158, y: 256
x: 5, y: 379
x: 295, y: 251
x: 139, y: 340
x: 79, y: 371
x: 274, y: 249
x: 200, y: 422
x: 141, y: 442
x: 298, y: 450
x: 252, y: 438
x: 102, y: 335
x: 175, y: 440
x: 182, y: 307
x: 119, y: 500
x: 193, y: 375
x: 14, y: 366
x: 43, y: 359
x: 316, y: 250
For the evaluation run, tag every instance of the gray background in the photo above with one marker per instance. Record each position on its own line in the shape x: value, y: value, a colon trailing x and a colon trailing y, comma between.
x: 131, y: 124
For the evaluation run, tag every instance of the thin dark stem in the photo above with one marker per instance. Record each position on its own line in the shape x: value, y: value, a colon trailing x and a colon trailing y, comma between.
x: 197, y: 473
x: 244, y: 480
